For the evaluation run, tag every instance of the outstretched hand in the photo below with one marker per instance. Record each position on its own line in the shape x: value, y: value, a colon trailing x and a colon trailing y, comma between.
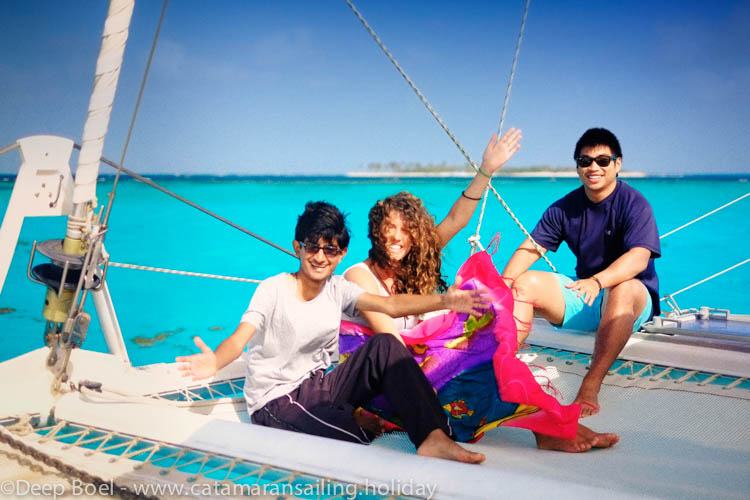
x: 474, y: 302
x: 586, y: 288
x: 198, y: 366
x: 498, y: 152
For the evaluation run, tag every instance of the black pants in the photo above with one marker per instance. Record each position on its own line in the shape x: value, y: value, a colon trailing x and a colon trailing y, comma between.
x: 324, y: 404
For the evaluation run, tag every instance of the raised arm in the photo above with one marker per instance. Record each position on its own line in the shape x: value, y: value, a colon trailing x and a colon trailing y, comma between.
x: 206, y: 363
x: 468, y: 301
x: 521, y: 260
x: 379, y: 322
x: 494, y: 157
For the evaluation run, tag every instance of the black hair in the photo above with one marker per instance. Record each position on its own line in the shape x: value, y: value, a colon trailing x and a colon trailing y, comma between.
x: 598, y: 137
x: 322, y: 220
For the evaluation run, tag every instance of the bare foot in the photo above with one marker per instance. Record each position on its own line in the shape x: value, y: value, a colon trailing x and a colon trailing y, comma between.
x: 598, y: 439
x: 588, y: 398
x: 439, y: 445
x: 585, y: 440
x: 370, y: 422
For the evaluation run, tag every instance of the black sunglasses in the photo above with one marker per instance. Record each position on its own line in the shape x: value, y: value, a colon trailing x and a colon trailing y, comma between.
x: 602, y: 160
x: 313, y: 248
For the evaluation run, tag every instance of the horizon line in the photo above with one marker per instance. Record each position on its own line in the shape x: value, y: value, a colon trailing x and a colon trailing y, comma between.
x: 418, y: 175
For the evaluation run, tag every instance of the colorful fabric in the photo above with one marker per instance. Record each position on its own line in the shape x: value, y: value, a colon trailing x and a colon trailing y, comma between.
x: 472, y: 364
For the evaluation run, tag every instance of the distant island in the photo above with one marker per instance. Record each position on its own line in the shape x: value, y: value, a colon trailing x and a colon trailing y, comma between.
x: 400, y: 169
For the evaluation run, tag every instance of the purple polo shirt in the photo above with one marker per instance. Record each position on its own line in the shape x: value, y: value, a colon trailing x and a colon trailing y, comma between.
x: 599, y: 233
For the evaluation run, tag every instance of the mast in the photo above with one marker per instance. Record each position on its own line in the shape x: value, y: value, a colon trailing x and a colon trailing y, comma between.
x: 82, y: 248
x: 108, y: 64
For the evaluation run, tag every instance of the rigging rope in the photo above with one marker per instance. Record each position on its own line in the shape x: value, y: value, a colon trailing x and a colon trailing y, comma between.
x: 444, y: 127
x: 183, y: 273
x: 513, y: 68
x: 135, y: 113
x: 9, y: 147
x: 475, y: 240
x: 704, y: 216
x: 164, y: 190
x: 668, y: 296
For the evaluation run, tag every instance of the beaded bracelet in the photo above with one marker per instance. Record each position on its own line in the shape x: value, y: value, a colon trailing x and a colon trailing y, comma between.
x: 463, y: 193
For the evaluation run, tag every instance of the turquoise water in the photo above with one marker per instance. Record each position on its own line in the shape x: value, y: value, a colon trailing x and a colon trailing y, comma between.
x: 159, y: 314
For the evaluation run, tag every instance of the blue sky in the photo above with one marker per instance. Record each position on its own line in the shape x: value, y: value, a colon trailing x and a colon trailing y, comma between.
x: 299, y: 87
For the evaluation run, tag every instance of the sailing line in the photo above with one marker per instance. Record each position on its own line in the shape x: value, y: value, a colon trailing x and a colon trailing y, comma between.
x: 704, y: 216
x: 164, y: 190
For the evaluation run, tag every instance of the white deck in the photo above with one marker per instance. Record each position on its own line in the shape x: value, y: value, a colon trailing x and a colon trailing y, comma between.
x: 674, y: 443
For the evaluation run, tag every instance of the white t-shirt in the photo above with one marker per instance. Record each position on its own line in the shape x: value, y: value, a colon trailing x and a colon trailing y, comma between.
x: 293, y: 338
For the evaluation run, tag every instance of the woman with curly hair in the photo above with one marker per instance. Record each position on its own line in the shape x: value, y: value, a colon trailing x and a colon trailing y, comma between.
x: 406, y: 243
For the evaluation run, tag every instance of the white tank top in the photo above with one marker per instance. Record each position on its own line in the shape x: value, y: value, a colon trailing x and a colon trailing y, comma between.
x: 402, y: 323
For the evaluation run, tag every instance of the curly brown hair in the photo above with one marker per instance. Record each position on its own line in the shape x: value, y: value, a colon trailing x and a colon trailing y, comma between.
x: 419, y: 271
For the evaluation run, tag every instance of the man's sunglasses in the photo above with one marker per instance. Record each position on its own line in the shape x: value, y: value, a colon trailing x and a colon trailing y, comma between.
x: 602, y: 160
x: 313, y: 248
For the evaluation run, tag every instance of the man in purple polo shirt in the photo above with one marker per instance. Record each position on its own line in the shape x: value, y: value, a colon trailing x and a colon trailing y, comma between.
x: 610, y: 228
